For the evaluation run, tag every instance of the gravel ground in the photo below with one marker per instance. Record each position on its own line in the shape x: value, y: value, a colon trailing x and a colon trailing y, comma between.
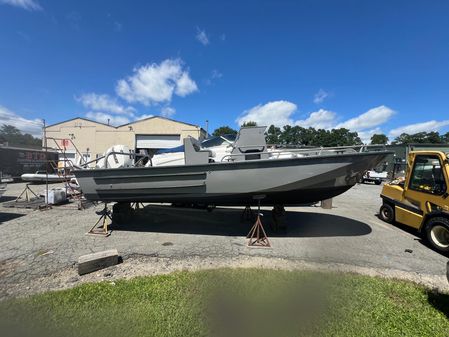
x: 39, y: 249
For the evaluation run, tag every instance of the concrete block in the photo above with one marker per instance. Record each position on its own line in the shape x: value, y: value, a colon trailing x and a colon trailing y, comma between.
x: 96, y: 261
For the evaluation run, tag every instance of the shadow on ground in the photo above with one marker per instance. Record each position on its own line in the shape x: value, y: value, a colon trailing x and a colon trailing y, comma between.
x: 439, y: 301
x: 420, y: 237
x: 227, y: 222
x: 7, y: 198
x: 4, y: 217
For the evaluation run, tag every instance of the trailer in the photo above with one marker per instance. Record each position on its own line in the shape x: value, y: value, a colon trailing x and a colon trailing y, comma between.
x: 15, y: 161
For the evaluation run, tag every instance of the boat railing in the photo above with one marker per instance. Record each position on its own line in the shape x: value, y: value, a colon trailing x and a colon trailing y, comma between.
x: 310, y: 152
x: 114, y: 153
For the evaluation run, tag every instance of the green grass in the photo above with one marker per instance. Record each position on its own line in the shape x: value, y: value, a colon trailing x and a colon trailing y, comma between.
x: 232, y: 302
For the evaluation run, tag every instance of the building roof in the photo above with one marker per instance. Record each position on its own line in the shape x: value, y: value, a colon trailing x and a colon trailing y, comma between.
x: 119, y: 126
x: 85, y: 119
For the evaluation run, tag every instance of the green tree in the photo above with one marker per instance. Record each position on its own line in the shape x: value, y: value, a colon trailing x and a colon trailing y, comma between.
x: 224, y: 130
x: 13, y: 136
x: 445, y: 137
x: 379, y: 138
x: 249, y: 123
x: 272, y: 135
x: 420, y: 138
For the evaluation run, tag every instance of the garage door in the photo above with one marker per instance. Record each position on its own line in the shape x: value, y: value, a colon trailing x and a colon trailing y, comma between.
x: 157, y: 141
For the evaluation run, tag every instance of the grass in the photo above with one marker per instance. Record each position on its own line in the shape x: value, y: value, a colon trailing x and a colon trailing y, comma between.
x: 232, y: 302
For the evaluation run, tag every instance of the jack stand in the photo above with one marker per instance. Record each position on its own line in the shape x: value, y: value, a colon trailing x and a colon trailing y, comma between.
x: 257, y: 236
x: 25, y: 191
x: 102, y: 230
x: 247, y: 214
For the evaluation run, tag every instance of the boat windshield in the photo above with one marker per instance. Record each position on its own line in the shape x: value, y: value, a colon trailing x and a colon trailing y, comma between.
x: 218, y: 140
x: 171, y: 150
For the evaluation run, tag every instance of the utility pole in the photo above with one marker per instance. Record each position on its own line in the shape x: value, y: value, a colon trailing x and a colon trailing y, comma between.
x: 207, y: 128
x: 46, y: 163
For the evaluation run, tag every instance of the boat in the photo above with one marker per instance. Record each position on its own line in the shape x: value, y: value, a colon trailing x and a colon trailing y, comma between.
x: 218, y: 147
x: 250, y: 173
x: 42, y: 177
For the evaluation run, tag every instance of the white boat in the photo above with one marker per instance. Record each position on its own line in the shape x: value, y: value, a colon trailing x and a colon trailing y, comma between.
x: 42, y: 177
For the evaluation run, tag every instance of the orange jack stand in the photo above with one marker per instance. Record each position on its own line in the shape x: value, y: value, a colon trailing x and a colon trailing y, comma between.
x: 257, y: 236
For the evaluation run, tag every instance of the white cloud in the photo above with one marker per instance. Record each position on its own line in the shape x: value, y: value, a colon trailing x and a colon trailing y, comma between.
x: 118, y: 27
x: 107, y: 118
x: 104, y: 103
x: 321, y: 119
x: 370, y: 119
x: 29, y: 5
x: 156, y: 83
x: 144, y: 116
x: 277, y: 113
x: 280, y: 113
x: 419, y: 127
x: 185, y: 85
x: 201, y: 36
x: 320, y: 96
x: 31, y: 126
x: 365, y: 136
x: 216, y: 74
x: 167, y: 112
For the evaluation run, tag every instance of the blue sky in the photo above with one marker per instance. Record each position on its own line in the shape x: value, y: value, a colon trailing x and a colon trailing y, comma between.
x: 377, y: 66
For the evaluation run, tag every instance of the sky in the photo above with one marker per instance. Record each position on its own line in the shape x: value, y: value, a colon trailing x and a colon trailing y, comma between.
x: 369, y: 66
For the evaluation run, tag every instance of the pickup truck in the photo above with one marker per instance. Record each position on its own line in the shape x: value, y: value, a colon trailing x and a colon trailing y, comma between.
x: 374, y: 176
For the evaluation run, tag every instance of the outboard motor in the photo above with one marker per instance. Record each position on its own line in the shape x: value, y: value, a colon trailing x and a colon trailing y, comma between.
x: 117, y: 156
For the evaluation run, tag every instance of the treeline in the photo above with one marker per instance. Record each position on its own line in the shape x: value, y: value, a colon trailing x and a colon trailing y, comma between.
x: 431, y: 137
x: 297, y: 135
x: 14, y: 137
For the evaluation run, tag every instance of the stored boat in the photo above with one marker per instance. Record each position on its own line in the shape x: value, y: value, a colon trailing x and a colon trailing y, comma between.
x: 250, y: 172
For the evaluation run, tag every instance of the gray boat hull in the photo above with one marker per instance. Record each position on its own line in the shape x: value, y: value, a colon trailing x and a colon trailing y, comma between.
x: 281, y: 181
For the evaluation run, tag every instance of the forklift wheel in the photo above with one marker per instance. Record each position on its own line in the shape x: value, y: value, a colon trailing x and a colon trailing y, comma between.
x: 386, y: 213
x: 437, y: 232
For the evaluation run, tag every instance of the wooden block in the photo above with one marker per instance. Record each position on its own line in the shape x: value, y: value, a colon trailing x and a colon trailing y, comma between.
x: 96, y: 261
x: 326, y: 204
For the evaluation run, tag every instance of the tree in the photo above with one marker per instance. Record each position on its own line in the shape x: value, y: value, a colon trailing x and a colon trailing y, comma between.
x: 445, y: 137
x: 224, y: 130
x: 249, y: 123
x: 420, y: 138
x: 13, y: 136
x: 379, y: 138
x: 272, y: 135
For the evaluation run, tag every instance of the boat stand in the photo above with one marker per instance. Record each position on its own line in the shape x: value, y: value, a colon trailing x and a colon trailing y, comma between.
x: 27, y: 196
x: 103, y: 229
x: 247, y: 214
x: 257, y: 236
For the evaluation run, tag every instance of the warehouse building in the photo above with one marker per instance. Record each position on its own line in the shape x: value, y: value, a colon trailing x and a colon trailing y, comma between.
x: 92, y: 138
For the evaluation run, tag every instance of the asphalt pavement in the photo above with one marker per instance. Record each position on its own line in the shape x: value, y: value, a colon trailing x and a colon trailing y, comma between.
x: 39, y: 244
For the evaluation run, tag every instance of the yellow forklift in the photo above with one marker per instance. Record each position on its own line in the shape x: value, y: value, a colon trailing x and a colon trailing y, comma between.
x: 421, y: 199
